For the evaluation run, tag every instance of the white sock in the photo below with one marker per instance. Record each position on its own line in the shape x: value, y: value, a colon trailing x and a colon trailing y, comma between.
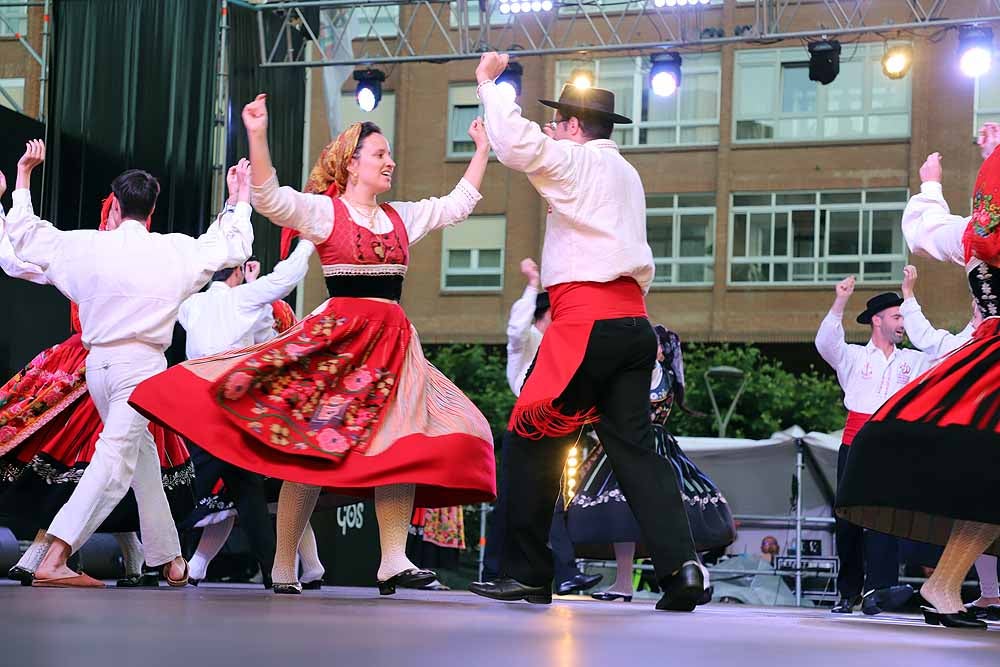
x: 296, y: 503
x: 312, y: 568
x: 213, y: 538
x: 36, y: 552
x: 132, y: 553
x: 394, y: 509
x: 986, y: 568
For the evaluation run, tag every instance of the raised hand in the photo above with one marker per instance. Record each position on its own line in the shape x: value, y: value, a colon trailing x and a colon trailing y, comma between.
x: 251, y: 270
x: 989, y: 139
x: 930, y: 170
x: 909, y: 280
x: 491, y: 65
x: 255, y: 115
x: 242, y: 173
x: 530, y: 271
x: 3, y: 184
x: 34, y: 155
x: 232, y: 185
x: 845, y: 288
x: 477, y: 130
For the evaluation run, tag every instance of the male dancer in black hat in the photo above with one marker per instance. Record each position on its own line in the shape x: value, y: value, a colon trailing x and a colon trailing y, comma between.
x: 595, y: 361
x: 869, y: 375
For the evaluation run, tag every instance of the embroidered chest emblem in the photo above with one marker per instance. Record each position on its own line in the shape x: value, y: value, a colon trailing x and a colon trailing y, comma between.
x: 866, y: 371
x: 904, y: 372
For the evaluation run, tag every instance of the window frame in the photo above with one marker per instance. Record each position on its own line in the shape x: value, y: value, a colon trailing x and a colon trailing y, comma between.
x: 449, y: 148
x: 19, y: 22
x: 675, y: 261
x: 4, y: 82
x: 870, y: 55
x: 474, y: 269
x: 819, y: 224
x: 640, y: 71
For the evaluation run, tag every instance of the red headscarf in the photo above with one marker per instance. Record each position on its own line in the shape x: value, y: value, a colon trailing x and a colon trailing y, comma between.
x: 982, y: 235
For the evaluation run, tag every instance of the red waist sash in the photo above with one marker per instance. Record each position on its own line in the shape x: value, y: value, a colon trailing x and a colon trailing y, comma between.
x: 855, y: 420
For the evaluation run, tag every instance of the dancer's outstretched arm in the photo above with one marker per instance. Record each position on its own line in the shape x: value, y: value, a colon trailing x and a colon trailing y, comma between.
x: 935, y: 343
x: 929, y: 227
x: 10, y: 263
x: 830, y: 341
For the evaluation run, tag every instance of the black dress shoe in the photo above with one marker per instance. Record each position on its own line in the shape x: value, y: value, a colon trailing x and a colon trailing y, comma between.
x: 608, y: 596
x: 412, y: 578
x: 962, y: 619
x: 706, y: 595
x: 146, y: 580
x: 287, y: 589
x: 314, y: 585
x: 578, y: 583
x: 885, y: 599
x: 844, y: 606
x: 511, y: 590
x: 20, y: 574
x: 683, y: 590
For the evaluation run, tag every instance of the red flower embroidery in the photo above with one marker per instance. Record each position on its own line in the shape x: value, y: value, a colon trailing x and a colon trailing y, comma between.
x: 237, y: 385
x: 331, y: 441
x: 358, y: 380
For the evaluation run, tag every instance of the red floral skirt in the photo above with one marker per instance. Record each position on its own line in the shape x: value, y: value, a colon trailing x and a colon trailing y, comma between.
x: 344, y: 400
x: 51, y: 428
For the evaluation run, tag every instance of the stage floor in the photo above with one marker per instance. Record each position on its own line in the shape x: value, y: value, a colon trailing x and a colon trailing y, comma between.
x: 219, y: 626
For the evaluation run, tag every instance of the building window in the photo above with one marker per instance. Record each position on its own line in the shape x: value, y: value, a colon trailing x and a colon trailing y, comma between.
x: 680, y: 229
x: 376, y: 21
x: 472, y: 254
x: 689, y: 117
x: 16, y: 21
x: 987, y: 100
x: 496, y: 18
x: 463, y: 107
x: 384, y: 115
x: 790, y: 238
x: 12, y: 94
x: 776, y: 101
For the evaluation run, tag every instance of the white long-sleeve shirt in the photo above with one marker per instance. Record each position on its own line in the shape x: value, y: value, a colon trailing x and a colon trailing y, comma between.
x: 931, y: 230
x: 225, y: 318
x: 523, y: 339
x: 312, y: 214
x: 935, y: 343
x: 11, y: 263
x: 129, y: 282
x: 596, y: 227
x: 866, y: 375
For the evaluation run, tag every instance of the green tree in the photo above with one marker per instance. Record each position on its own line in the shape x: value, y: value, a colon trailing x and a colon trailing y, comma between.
x: 774, y: 398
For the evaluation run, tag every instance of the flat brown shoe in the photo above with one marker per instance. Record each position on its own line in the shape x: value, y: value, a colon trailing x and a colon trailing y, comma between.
x: 76, y: 581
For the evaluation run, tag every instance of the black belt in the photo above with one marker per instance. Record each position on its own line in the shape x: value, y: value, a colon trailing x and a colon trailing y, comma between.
x: 375, y: 287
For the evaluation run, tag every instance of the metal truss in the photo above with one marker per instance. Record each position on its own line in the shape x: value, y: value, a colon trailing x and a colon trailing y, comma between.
x: 400, y: 31
x: 41, y: 58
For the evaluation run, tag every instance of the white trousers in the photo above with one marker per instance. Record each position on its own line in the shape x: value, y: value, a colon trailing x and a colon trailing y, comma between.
x: 125, y: 456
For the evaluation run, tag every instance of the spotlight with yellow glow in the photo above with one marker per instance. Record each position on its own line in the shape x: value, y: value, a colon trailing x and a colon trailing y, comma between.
x: 582, y: 78
x: 897, y: 61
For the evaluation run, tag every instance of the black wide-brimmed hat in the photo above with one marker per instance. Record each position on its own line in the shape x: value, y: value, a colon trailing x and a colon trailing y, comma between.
x: 877, y: 304
x: 575, y: 100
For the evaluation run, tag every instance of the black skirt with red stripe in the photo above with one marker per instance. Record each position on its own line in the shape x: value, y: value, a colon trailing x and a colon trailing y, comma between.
x: 931, y: 454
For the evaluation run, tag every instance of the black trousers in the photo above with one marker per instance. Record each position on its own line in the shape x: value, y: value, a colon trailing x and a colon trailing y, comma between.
x: 249, y: 493
x: 868, y: 559
x: 613, y: 377
x: 563, y: 553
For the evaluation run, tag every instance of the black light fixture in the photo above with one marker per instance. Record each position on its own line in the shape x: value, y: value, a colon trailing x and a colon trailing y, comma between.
x: 824, y: 61
x: 369, y: 90
x: 665, y: 73
x: 512, y: 77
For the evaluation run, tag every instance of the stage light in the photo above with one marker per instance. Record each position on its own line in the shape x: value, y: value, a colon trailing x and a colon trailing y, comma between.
x: 897, y: 61
x: 510, y: 80
x: 665, y: 73
x: 525, y: 6
x: 369, y: 90
x: 975, y: 50
x: 582, y: 78
x: 824, y: 61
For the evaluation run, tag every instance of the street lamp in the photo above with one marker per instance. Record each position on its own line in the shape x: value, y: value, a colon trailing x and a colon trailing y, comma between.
x: 724, y: 373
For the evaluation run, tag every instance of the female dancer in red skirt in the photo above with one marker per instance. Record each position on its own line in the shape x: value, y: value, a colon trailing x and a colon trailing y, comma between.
x: 48, y: 430
x: 344, y: 400
x: 939, y: 435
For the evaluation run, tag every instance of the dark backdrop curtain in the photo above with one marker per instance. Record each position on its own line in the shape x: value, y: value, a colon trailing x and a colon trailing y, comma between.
x: 132, y: 87
x: 286, y: 97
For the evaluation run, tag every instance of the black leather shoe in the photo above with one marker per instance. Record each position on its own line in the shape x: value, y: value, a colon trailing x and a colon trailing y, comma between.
x: 990, y: 613
x: 20, y: 574
x: 706, y: 595
x: 962, y: 619
x: 608, y: 596
x: 146, y: 580
x: 682, y: 590
x: 885, y: 599
x: 578, y: 583
x: 314, y: 585
x: 511, y: 590
x: 287, y: 589
x: 412, y: 578
x: 844, y: 606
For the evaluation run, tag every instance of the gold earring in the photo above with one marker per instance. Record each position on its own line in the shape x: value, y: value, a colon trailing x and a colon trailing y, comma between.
x: 354, y: 178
